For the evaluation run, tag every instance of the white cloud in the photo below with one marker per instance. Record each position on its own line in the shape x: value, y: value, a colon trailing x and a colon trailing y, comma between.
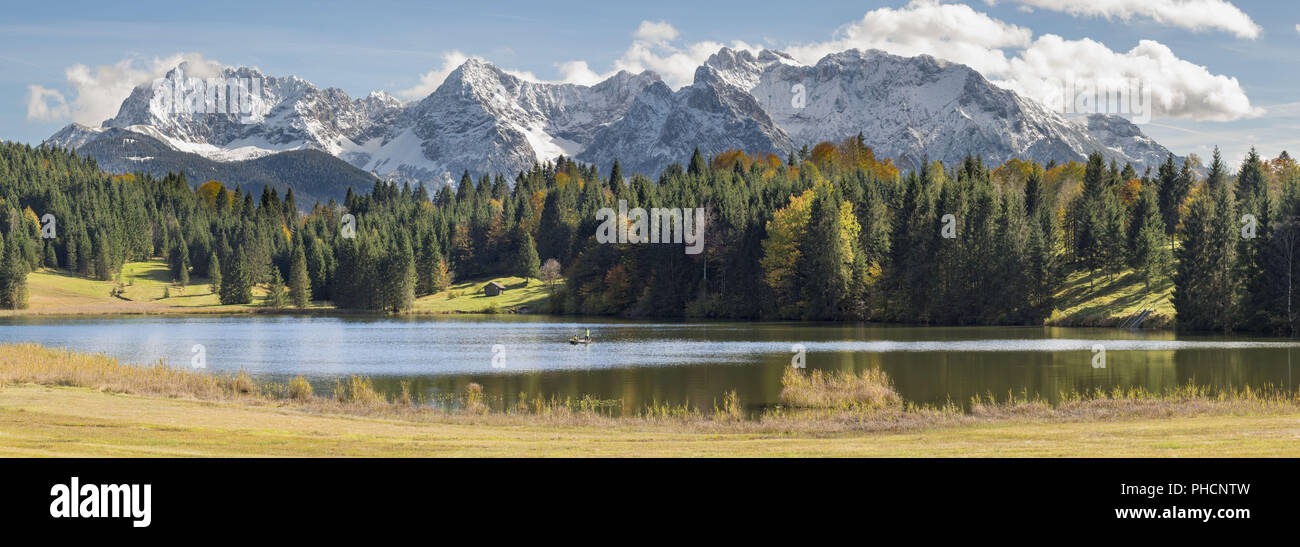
x: 955, y: 32
x: 577, y: 72
x: 97, y: 92
x: 1179, y: 89
x: 657, y: 32
x: 653, y: 49
x: 434, y: 78
x: 1196, y: 15
x: 46, y: 105
x: 1297, y: 28
x: 1011, y: 56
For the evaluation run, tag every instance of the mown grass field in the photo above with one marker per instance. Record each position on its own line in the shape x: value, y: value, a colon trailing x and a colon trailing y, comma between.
x: 468, y: 297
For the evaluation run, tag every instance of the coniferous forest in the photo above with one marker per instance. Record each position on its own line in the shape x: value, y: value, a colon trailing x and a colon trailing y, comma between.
x: 830, y: 233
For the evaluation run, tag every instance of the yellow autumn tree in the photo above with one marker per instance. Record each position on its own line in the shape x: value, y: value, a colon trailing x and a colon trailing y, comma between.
x: 781, y: 249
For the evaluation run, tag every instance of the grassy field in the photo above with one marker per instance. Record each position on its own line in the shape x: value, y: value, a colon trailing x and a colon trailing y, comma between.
x: 467, y: 297
x: 57, y: 292
x: 1101, y: 300
x: 59, y: 403
x: 144, y: 285
x: 38, y: 421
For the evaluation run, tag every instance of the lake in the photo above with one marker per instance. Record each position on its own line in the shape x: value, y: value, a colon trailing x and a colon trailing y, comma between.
x: 639, y: 362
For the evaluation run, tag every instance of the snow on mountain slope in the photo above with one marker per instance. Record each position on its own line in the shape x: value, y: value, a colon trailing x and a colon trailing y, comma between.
x: 485, y: 120
x: 913, y: 108
x: 664, y: 127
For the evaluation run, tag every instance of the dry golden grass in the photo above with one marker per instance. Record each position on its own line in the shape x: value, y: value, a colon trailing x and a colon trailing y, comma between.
x: 868, y: 390
x: 816, y: 404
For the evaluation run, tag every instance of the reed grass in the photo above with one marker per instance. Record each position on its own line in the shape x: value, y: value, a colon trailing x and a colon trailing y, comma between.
x: 812, y: 402
x: 869, y: 390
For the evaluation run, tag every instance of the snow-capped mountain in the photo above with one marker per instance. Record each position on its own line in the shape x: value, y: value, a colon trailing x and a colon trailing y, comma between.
x: 485, y: 120
x: 663, y: 127
x: 912, y: 108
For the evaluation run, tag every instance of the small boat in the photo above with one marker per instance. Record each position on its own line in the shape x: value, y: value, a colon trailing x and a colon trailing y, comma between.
x: 576, y: 340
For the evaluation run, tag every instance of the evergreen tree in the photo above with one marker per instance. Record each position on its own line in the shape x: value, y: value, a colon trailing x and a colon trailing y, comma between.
x: 299, y: 282
x: 237, y: 279
x: 1254, y: 207
x: 1205, y: 285
x: 214, y: 273
x: 13, y: 274
x: 179, y: 260
x: 275, y: 297
x: 1149, y: 252
x: 70, y: 254
x: 527, y: 264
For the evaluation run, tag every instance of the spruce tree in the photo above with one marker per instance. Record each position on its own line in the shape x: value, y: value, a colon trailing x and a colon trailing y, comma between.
x: 275, y: 297
x: 214, y: 273
x: 237, y: 279
x: 299, y: 282
x: 527, y: 264
x: 826, y: 263
x: 1149, y: 253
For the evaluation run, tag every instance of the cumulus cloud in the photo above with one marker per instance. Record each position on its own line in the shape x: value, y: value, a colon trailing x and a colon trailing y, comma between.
x: 955, y: 32
x: 97, y: 92
x: 430, y: 80
x: 657, y: 32
x: 1179, y: 89
x: 46, y: 105
x: 653, y: 48
x: 1196, y: 15
x: 1012, y: 57
x: 578, y: 72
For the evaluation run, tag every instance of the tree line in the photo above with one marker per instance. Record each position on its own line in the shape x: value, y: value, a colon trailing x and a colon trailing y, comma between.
x: 828, y: 233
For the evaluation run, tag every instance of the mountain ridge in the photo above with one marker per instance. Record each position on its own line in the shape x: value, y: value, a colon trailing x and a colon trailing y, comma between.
x: 485, y: 120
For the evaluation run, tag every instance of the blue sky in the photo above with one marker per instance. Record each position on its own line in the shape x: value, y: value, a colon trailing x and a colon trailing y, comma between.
x: 78, y: 57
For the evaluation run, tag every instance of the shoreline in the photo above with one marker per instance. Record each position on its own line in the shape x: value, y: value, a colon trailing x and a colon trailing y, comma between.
x: 63, y: 403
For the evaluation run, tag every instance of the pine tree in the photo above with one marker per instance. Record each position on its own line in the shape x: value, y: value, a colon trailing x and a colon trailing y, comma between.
x: 1279, y: 282
x: 85, y: 256
x: 697, y: 166
x: 827, y: 255
x: 1149, y: 253
x: 1254, y: 206
x: 51, y: 256
x: 299, y: 282
x: 70, y: 255
x: 275, y: 297
x: 179, y: 259
x: 237, y: 279
x: 1098, y: 221
x: 1205, y: 286
x: 400, y: 278
x: 527, y: 264
x: 13, y: 274
x: 616, y: 178
x: 214, y: 273
x: 103, y: 262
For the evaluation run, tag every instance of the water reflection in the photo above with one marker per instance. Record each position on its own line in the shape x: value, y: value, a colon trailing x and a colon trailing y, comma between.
x: 640, y: 363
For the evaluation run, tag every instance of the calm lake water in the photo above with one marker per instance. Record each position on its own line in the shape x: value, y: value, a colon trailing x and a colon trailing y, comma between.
x: 638, y: 363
